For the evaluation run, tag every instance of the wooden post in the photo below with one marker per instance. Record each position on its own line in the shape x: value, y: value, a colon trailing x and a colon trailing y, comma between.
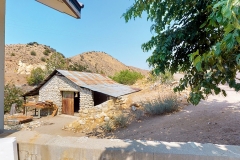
x: 2, y: 62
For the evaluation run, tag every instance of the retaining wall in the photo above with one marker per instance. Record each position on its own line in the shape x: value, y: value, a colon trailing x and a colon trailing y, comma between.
x: 33, y: 146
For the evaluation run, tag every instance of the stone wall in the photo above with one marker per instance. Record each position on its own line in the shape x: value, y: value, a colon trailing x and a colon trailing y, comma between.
x: 106, y: 109
x: 86, y: 98
x: 92, y: 118
x: 51, y: 91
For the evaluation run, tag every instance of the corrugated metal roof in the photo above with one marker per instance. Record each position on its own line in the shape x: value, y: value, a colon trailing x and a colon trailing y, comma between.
x: 98, y: 83
x: 92, y: 81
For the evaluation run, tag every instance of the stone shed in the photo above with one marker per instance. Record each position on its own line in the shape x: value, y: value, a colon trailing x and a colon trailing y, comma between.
x: 73, y: 91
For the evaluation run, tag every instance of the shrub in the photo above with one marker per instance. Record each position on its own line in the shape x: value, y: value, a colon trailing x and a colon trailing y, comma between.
x: 166, y: 77
x: 46, y: 52
x: 56, y: 61
x: 43, y: 59
x: 127, y: 77
x: 32, y: 43
x: 138, y: 114
x: 120, y: 121
x: 161, y: 106
x: 12, y: 54
x: 107, y: 126
x: 12, y: 94
x: 36, y: 77
x: 78, y: 67
x: 33, y: 53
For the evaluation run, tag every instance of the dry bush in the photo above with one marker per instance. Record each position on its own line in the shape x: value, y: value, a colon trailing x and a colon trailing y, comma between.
x: 121, y: 121
x: 138, y: 114
x: 107, y: 127
x: 161, y: 105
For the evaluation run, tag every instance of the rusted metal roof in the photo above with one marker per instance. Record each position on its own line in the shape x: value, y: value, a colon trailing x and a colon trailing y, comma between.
x: 98, y: 83
x: 92, y: 81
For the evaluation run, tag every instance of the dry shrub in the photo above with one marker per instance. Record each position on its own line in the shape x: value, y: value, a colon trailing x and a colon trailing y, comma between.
x: 161, y: 105
x: 107, y: 126
x: 138, y: 114
x: 121, y: 121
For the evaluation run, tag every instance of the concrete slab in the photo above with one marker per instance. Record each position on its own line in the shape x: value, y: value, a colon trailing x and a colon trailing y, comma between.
x: 8, y: 148
x: 33, y: 145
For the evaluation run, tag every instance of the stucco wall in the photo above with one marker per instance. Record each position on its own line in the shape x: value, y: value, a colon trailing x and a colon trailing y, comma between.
x: 51, y: 91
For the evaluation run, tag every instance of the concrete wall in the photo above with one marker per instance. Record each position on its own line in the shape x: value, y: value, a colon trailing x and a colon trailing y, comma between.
x: 51, y: 91
x: 2, y: 61
x: 33, y: 146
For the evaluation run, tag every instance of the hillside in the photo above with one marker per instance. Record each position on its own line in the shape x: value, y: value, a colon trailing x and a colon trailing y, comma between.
x: 20, y: 59
x: 101, y: 62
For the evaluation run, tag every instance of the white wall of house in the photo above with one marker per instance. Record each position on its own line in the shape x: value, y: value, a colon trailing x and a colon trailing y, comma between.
x: 52, y: 91
x: 2, y: 62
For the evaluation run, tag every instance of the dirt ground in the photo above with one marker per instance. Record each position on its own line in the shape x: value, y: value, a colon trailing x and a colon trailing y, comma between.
x: 215, y: 120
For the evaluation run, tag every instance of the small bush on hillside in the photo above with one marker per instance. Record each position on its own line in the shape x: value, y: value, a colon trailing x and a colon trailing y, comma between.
x: 36, y: 77
x: 12, y: 94
x: 12, y: 54
x: 138, y: 114
x: 78, y: 67
x: 166, y: 77
x: 120, y: 121
x: 46, y: 52
x: 107, y: 126
x: 33, y: 53
x: 43, y: 59
x: 127, y: 77
x: 161, y: 105
x: 32, y: 43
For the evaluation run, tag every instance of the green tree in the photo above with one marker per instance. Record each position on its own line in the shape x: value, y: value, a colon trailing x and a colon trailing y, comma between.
x: 127, y: 77
x: 36, y: 77
x: 12, y: 94
x: 201, y: 36
x: 56, y: 61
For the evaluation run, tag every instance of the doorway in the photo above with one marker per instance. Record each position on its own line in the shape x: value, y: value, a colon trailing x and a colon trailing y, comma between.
x: 76, y: 101
x: 99, y: 98
x: 68, y: 103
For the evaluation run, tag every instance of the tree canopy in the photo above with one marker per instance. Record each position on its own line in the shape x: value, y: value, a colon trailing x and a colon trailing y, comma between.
x: 36, y: 77
x: 198, y: 37
x: 56, y: 61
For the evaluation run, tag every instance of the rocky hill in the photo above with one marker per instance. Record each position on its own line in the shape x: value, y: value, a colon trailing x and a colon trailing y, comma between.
x: 101, y: 62
x: 20, y: 59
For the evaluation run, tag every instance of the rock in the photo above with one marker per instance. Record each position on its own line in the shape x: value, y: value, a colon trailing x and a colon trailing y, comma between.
x: 97, y: 116
x: 106, y: 119
x: 103, y: 114
x: 81, y: 122
x: 133, y: 108
x: 85, y: 111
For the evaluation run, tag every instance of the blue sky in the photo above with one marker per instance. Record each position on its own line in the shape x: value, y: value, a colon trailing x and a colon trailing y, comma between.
x: 101, y: 28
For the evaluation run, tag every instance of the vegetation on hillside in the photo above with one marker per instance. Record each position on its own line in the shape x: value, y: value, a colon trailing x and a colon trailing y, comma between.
x: 12, y: 94
x: 36, y: 77
x: 78, y: 67
x: 127, y: 77
x: 56, y: 61
x: 201, y: 36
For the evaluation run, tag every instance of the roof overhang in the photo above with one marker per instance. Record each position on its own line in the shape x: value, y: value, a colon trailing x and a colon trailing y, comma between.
x: 70, y: 7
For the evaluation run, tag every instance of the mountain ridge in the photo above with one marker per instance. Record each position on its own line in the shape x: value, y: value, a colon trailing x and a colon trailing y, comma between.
x: 20, y: 59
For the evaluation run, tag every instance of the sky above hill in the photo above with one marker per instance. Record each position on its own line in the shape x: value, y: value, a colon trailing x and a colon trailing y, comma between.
x: 101, y: 28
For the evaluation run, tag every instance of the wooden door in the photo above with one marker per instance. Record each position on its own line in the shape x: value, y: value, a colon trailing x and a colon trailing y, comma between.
x: 68, y: 103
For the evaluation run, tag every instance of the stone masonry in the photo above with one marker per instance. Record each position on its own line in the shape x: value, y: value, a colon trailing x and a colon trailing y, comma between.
x: 51, y: 91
